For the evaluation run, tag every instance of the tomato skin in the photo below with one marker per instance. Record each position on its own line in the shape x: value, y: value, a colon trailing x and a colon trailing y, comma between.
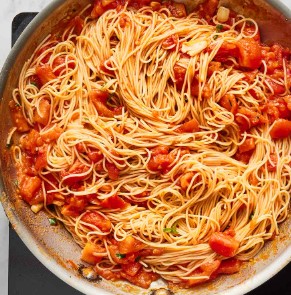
x: 170, y: 42
x: 114, y: 202
x: 223, y: 244
x: 98, y: 220
x: 44, y: 112
x: 59, y: 64
x: 272, y: 167
x: 41, y: 159
x: 95, y: 156
x: 281, y: 129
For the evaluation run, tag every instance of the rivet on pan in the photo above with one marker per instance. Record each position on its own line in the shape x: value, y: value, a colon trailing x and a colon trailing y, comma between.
x: 89, y: 274
x: 161, y: 291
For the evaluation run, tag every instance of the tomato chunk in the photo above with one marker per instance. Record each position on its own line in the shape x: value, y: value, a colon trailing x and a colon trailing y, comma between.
x: 98, y: 220
x: 229, y: 266
x: 114, y: 202
x: 281, y: 129
x: 90, y: 253
x: 131, y: 269
x: 228, y: 101
x: 248, y: 145
x: 29, y: 189
x: 42, y: 114
x: 190, y: 126
x: 17, y: 117
x: 113, y: 171
x: 130, y: 245
x: 223, y: 244
x: 77, y: 172
x: 250, y: 55
x: 99, y: 100
x: 45, y: 73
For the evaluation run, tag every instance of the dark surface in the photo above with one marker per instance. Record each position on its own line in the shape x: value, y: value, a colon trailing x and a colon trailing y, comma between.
x: 28, y: 276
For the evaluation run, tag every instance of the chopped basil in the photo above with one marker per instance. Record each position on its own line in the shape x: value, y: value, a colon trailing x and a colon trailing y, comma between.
x: 8, y: 145
x: 219, y: 28
x: 172, y: 230
x: 52, y: 221
x: 120, y: 256
x: 251, y: 216
x: 34, y: 83
x: 215, y: 37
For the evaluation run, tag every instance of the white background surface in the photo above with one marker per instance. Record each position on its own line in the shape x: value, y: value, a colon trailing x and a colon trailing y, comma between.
x: 10, y: 8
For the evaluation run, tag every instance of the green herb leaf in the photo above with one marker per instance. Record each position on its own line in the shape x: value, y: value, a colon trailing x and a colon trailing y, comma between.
x: 215, y: 37
x: 251, y: 216
x: 219, y: 28
x: 120, y: 256
x: 172, y: 230
x: 52, y: 221
x: 34, y: 83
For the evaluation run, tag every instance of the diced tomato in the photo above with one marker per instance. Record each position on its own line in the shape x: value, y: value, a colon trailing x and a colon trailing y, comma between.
x: 177, y: 9
x: 248, y: 145
x: 287, y: 100
x: 108, y: 274
x: 34, y: 80
x: 75, y: 205
x: 272, y: 165
x: 249, y: 77
x: 114, y: 202
x: 254, y: 118
x: 98, y: 220
x: 277, y: 88
x: 17, y: 117
x: 223, y: 244
x: 277, y: 108
x: 228, y: 101
x: 77, y: 172
x: 190, y: 126
x: 281, y: 129
x: 206, y: 269
x: 250, y: 55
x: 244, y: 157
x: 60, y: 63
x: 130, y: 245
x: 249, y: 30
x: 195, y: 89
x: 41, y: 158
x: 99, y: 100
x: 95, y: 156
x: 229, y: 266
x: 52, y: 134
x: 45, y: 73
x: 131, y: 269
x: 78, y: 24
x: 170, y: 42
x: 208, y: 8
x: 97, y: 10
x: 104, y: 69
x: 29, y: 188
x: 214, y: 66
x: 142, y: 279
x: 90, y: 253
x: 160, y: 159
x: 31, y: 142
x: 226, y: 50
x: 42, y: 114
x: 179, y: 75
x: 113, y: 171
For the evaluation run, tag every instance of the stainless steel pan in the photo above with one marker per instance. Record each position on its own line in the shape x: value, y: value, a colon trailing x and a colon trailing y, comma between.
x: 53, y: 246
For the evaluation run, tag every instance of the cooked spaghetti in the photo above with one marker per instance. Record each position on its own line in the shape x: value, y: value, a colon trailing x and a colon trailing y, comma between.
x: 160, y: 139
